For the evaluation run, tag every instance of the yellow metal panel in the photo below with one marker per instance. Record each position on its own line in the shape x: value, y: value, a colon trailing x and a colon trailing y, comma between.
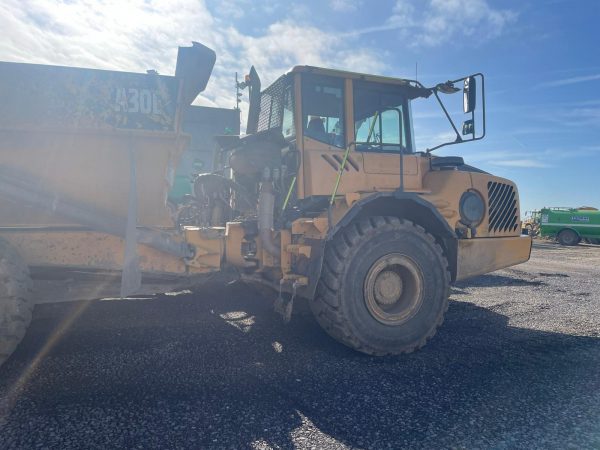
x: 321, y: 163
x: 445, y: 187
x: 382, y: 163
x: 87, y: 249
x: 93, y: 168
x: 210, y: 248
x: 315, y: 228
x: 286, y: 251
x: 234, y: 233
x: 483, y: 255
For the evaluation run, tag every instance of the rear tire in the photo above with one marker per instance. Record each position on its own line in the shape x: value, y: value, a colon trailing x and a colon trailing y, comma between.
x: 384, y: 286
x: 568, y: 237
x: 15, y: 299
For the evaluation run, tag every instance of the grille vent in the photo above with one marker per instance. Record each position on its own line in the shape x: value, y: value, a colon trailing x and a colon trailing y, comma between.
x: 335, y: 161
x: 502, y: 200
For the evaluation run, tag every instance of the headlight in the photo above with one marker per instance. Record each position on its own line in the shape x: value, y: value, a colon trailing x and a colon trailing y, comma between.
x: 471, y: 208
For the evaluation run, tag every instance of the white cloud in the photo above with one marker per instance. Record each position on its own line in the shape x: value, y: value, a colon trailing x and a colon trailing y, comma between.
x: 110, y: 34
x: 344, y: 5
x: 569, y: 81
x: 137, y: 35
x: 436, y: 22
x: 515, y: 158
x: 522, y: 163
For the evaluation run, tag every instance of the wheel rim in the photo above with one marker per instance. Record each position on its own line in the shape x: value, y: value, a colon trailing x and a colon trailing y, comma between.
x: 393, y: 289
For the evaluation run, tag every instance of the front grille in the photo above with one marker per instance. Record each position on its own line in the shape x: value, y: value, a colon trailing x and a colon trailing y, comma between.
x: 503, y: 212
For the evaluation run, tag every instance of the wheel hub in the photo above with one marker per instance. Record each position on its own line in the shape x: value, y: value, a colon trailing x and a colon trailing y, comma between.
x: 388, y: 287
x: 393, y: 289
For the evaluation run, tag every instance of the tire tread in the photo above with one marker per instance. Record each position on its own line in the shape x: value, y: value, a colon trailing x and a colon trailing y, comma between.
x: 16, y: 304
x: 325, y: 305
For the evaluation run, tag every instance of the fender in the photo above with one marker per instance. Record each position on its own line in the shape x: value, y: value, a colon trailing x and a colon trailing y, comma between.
x: 404, y: 205
x: 378, y: 204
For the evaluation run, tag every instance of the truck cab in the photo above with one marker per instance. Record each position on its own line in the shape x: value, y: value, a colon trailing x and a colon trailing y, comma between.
x: 333, y: 202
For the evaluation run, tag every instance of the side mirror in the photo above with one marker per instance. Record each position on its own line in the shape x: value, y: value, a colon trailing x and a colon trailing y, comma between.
x: 469, y: 94
x: 473, y: 128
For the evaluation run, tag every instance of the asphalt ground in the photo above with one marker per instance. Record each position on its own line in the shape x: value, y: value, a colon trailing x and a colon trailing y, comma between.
x: 515, y: 365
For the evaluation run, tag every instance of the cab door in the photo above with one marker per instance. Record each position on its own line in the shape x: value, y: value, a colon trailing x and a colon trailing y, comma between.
x: 325, y: 137
x: 382, y: 134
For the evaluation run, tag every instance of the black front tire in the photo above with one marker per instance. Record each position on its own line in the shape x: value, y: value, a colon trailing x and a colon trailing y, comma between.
x: 15, y: 299
x: 568, y: 237
x: 384, y: 286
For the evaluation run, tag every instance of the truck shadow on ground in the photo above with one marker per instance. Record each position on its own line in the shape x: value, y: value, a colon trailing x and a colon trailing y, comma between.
x: 495, y: 280
x: 218, y: 369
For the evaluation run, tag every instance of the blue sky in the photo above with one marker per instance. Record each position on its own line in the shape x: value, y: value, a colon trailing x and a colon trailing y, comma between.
x: 541, y: 60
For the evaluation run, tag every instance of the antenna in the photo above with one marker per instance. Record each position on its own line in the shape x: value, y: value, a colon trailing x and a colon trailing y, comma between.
x: 238, y: 94
x: 416, y: 71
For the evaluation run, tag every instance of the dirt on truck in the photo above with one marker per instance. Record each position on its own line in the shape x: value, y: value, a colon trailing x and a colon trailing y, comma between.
x: 326, y: 197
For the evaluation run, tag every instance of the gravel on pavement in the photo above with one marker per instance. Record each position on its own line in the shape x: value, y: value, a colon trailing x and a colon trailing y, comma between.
x: 515, y: 365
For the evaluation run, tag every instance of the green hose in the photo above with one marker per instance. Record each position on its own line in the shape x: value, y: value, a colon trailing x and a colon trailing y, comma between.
x: 289, y: 194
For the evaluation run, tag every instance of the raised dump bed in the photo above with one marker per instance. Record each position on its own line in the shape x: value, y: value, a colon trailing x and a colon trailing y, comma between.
x: 87, y: 158
x: 72, y: 133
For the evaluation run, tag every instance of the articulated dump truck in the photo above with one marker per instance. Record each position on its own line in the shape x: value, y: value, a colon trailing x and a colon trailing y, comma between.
x: 324, y: 198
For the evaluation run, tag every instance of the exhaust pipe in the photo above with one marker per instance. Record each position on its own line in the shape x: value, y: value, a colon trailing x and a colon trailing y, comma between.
x: 253, y: 84
x: 266, y: 206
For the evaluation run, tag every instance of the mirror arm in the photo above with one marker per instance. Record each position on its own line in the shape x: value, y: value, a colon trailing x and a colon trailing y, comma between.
x: 429, y: 150
x: 458, y: 138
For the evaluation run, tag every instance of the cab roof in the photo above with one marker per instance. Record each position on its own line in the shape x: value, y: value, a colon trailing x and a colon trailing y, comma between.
x: 413, y: 88
x: 352, y: 75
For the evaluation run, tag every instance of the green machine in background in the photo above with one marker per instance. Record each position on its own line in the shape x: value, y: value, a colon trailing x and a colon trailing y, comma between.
x: 203, y: 124
x: 571, y: 225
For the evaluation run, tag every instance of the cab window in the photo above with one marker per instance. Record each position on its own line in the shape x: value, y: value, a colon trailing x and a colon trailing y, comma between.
x: 379, y: 118
x: 323, y: 109
x: 287, y: 122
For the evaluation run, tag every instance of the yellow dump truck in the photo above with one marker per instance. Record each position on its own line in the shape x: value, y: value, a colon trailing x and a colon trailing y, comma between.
x: 325, y: 197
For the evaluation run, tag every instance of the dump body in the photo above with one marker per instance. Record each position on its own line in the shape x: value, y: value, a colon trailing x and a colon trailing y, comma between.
x: 586, y: 223
x: 87, y: 158
x: 72, y: 130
